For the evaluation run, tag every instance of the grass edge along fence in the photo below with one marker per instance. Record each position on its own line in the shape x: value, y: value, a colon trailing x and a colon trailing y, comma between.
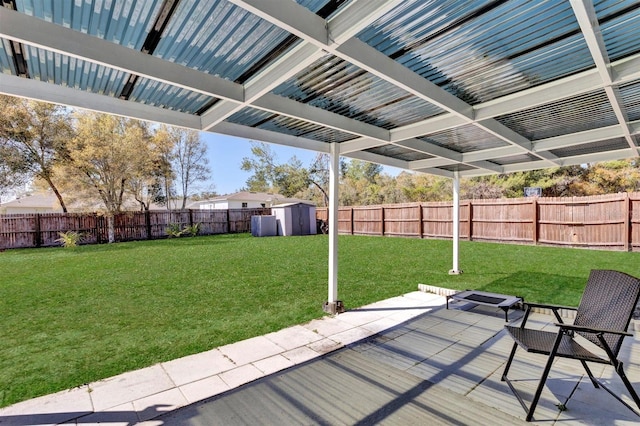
x: 43, y: 229
x: 607, y: 222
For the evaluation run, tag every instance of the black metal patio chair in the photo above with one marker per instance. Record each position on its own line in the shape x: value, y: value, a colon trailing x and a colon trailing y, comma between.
x: 603, y: 316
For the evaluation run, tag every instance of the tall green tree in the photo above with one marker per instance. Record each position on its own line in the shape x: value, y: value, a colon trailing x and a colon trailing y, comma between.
x: 33, y: 138
x: 188, y: 160
x: 104, y: 156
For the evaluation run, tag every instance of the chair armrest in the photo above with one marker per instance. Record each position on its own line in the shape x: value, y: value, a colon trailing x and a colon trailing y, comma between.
x: 592, y: 330
x: 547, y: 306
x: 554, y: 308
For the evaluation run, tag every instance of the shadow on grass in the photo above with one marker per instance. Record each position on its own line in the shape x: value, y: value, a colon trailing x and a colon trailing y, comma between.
x: 532, y: 286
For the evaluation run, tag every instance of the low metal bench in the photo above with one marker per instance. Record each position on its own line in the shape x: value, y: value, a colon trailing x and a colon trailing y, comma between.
x: 502, y: 301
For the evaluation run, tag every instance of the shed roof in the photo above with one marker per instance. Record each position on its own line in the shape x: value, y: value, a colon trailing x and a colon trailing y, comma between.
x: 433, y: 86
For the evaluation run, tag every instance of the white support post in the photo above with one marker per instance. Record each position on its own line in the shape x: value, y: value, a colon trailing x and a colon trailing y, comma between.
x: 333, y: 305
x: 456, y: 223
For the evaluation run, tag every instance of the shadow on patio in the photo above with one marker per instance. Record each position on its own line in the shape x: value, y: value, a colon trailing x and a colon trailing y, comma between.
x: 442, y: 367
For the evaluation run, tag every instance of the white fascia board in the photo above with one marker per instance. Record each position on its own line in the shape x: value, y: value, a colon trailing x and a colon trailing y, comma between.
x: 246, y: 132
x: 45, y: 35
x: 290, y: 108
x: 41, y: 91
x: 428, y: 126
x: 634, y: 127
x: 359, y: 144
x: 523, y: 167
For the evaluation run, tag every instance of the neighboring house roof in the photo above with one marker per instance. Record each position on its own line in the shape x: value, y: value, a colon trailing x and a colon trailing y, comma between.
x: 266, y: 197
x: 41, y: 201
x: 295, y: 203
x: 47, y: 202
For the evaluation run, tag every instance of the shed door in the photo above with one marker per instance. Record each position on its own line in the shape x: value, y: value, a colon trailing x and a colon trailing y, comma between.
x: 300, y: 220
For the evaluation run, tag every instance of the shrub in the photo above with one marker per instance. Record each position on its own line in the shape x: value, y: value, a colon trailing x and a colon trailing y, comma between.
x: 69, y: 239
x: 173, y: 230
x: 192, y: 230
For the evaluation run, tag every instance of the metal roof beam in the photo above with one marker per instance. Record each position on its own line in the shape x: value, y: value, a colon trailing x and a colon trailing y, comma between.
x: 356, y: 16
x: 246, y: 132
x: 378, y: 159
x: 42, y: 91
x: 285, y: 106
x: 359, y: 144
x: 588, y: 20
x: 45, y: 35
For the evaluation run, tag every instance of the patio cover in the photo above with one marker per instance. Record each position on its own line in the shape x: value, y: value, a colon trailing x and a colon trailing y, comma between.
x: 452, y: 88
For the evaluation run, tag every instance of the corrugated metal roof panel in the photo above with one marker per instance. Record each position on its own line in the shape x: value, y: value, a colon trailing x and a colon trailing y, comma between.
x: 482, y: 50
x: 55, y: 68
x: 125, y: 22
x: 266, y: 120
x: 466, y: 138
x: 620, y: 20
x: 335, y: 85
x: 399, y: 153
x: 217, y: 37
x: 584, y: 112
x: 591, y: 148
x: 6, y: 58
x: 630, y: 94
x: 155, y: 93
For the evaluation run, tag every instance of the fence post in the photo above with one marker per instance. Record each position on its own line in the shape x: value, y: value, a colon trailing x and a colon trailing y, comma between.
x: 382, y: 220
x: 420, y: 220
x: 351, y: 218
x: 190, y: 218
x: 627, y: 221
x: 470, y: 213
x: 38, y: 236
x: 228, y: 221
x: 147, y: 223
x: 97, y: 219
x: 534, y: 220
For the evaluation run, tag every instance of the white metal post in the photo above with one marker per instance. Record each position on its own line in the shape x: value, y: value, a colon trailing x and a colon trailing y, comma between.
x: 334, y: 180
x: 456, y: 223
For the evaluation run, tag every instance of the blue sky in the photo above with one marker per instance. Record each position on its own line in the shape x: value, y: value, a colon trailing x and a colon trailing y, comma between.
x: 225, y: 155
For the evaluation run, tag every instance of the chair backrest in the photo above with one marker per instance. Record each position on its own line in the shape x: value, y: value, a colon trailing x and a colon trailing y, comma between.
x: 608, y: 302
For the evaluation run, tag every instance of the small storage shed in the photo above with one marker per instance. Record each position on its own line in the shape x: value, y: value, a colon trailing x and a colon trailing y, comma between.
x: 264, y: 226
x: 295, y: 218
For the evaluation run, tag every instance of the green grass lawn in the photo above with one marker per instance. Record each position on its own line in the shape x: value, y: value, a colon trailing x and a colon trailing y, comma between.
x: 72, y: 316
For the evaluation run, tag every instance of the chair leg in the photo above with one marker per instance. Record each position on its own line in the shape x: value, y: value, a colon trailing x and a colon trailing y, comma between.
x: 508, y: 365
x: 627, y: 384
x: 593, y: 379
x: 543, y: 380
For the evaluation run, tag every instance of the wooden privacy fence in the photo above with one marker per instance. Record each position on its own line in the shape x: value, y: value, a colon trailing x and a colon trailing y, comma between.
x: 610, y: 222
x: 42, y: 230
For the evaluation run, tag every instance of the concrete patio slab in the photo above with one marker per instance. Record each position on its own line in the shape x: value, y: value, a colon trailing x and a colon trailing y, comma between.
x: 196, y: 367
x: 386, y: 363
